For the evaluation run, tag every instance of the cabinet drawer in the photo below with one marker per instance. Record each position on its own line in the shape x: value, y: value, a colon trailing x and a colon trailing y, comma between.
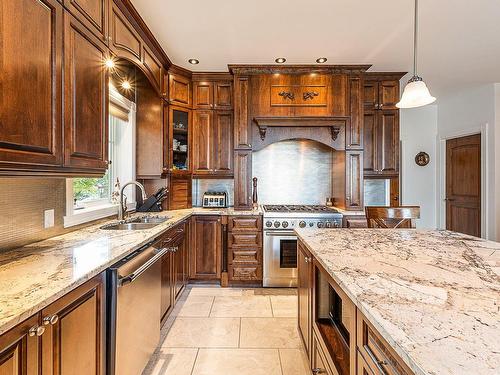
x: 245, y: 223
x: 248, y: 255
x: 376, y: 352
x: 244, y: 239
x: 245, y: 272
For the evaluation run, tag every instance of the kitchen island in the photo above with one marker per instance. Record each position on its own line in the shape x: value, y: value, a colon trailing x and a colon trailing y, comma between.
x: 432, y: 296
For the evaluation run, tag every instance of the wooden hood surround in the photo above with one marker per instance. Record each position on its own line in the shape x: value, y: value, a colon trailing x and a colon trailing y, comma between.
x: 322, y: 103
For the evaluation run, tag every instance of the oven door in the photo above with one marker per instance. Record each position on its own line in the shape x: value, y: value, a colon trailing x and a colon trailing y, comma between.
x: 280, y: 259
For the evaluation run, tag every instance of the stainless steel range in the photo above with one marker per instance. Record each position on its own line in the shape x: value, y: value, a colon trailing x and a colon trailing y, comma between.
x: 280, y: 241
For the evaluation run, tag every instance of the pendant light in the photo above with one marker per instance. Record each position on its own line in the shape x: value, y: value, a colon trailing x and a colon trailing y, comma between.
x: 415, y: 94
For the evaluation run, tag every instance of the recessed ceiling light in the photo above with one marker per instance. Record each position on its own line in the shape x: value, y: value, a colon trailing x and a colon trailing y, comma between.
x: 321, y: 60
x: 194, y: 61
x: 126, y: 85
x: 110, y: 63
x: 280, y: 60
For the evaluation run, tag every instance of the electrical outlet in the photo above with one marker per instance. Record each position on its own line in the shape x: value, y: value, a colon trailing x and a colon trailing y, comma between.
x: 48, y: 218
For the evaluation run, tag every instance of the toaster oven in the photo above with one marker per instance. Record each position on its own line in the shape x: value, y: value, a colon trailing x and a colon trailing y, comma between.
x: 214, y: 199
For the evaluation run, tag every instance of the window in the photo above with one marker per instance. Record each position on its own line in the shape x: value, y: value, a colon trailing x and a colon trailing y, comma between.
x: 89, y: 199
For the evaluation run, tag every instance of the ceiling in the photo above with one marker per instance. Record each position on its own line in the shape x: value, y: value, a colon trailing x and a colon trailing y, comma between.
x: 459, y: 39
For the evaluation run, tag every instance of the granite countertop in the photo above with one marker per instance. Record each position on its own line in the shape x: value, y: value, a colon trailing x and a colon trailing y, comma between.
x: 433, y: 295
x: 35, y: 275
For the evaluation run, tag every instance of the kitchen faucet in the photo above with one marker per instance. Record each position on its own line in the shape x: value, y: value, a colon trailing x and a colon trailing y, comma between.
x: 122, y: 207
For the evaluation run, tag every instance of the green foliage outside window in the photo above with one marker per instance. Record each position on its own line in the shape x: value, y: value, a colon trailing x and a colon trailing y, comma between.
x: 85, y: 189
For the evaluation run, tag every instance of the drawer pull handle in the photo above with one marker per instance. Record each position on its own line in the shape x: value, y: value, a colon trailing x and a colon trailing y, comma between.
x: 36, y: 331
x: 51, y: 319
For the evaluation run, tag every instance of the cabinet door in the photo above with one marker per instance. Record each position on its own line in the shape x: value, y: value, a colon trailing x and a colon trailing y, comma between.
x: 370, y: 143
x: 223, y: 143
x: 205, y: 258
x: 179, y: 90
x: 388, y: 94
x: 354, y: 180
x: 223, y: 95
x: 19, y: 349
x: 74, y: 339
x: 93, y: 14
x: 304, y: 293
x: 203, y: 138
x: 180, y: 195
x: 203, y: 95
x: 86, y: 98
x: 167, y: 290
x: 124, y: 40
x: 31, y: 83
x: 242, y: 129
x: 243, y: 179
x: 388, y: 142
x: 370, y: 95
x: 178, y: 274
x: 354, y: 130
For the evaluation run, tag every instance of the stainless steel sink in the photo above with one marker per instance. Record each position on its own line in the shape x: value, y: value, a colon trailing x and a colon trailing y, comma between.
x: 137, y: 223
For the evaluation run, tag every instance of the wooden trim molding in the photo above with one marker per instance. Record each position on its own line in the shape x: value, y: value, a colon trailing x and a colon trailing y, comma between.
x: 297, y: 69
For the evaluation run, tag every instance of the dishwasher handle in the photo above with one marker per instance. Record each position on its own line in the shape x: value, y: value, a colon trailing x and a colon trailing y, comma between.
x: 122, y: 281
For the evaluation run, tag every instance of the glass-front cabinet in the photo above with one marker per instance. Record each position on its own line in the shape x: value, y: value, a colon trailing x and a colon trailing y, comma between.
x: 180, y: 140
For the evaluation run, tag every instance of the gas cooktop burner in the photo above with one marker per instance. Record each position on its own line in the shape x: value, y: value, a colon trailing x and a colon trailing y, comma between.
x: 298, y: 208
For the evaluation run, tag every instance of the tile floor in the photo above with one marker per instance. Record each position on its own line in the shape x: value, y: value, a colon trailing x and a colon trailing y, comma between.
x: 214, y: 331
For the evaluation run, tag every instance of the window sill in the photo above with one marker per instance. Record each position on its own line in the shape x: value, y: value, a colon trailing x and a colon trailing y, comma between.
x: 86, y: 215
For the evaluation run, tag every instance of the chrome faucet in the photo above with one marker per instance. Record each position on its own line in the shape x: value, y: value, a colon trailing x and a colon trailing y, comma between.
x: 122, y: 207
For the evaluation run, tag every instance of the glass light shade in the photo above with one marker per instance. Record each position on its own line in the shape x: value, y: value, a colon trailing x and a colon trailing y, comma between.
x: 416, y: 94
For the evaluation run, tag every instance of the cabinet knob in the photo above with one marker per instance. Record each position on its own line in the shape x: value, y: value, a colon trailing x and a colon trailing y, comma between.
x: 36, y: 331
x: 51, y: 319
x: 318, y: 370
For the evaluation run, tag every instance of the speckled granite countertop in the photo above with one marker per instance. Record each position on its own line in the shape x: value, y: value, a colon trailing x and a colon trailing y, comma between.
x: 433, y: 295
x: 33, y: 276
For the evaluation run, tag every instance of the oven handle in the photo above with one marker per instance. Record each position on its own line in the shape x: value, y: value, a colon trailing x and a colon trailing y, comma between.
x: 122, y: 281
x: 277, y: 233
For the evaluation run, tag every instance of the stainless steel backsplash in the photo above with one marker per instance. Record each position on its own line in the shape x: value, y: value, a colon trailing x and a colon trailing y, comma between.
x: 293, y: 172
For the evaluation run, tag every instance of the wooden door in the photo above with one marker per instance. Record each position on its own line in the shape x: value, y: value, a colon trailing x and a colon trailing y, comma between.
x: 180, y: 160
x: 19, y: 348
x: 363, y: 368
x: 387, y: 141
x: 243, y: 179
x: 86, y: 98
x: 124, y: 40
x: 463, y: 185
x: 370, y: 95
x: 179, y: 259
x: 179, y: 90
x: 74, y: 339
x: 94, y: 14
x: 242, y: 125
x: 370, y: 142
x: 203, y: 95
x: 223, y: 143
x: 167, y: 290
x: 31, y: 84
x: 206, y: 248
x: 354, y: 179
x: 304, y: 294
x: 354, y: 128
x: 180, y: 195
x: 223, y: 95
x: 388, y: 94
x: 203, y: 138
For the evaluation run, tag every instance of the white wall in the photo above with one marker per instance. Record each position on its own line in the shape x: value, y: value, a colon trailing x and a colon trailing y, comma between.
x: 497, y: 160
x: 468, y: 112
x: 418, y: 184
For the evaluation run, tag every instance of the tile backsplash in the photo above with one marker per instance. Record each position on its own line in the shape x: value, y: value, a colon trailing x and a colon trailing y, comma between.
x: 23, y: 202
x: 200, y: 186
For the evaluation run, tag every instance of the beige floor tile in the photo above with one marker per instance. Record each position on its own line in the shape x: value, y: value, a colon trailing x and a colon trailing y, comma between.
x: 275, y: 291
x: 215, y: 291
x: 237, y: 362
x: 284, y: 306
x: 203, y: 333
x: 196, y: 306
x: 294, y: 362
x: 172, y: 361
x: 269, y: 333
x: 242, y: 306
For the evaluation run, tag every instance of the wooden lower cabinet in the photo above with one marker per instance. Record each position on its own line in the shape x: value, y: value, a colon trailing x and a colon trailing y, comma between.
x: 66, y: 337
x: 304, y: 294
x: 206, y: 250
x: 363, y: 368
x: 319, y: 361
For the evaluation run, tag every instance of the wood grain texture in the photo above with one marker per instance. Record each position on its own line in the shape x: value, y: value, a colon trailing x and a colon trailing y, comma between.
x: 94, y: 14
x: 205, y: 256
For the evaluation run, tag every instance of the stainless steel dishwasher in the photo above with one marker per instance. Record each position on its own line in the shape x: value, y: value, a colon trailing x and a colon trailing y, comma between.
x: 134, y: 309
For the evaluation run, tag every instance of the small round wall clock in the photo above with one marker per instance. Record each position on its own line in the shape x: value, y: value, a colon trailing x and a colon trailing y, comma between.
x: 422, y: 158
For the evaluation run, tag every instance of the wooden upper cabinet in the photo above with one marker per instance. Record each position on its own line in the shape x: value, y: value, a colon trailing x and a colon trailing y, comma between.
x: 206, y: 257
x: 370, y: 95
x: 94, y: 14
x: 203, y: 139
x: 203, y: 95
x: 242, y: 128
x: 388, y: 140
x: 370, y: 142
x: 74, y: 337
x: 153, y: 67
x: 388, y: 94
x: 31, y: 84
x: 124, y: 40
x: 354, y: 180
x: 223, y: 153
x: 19, y: 349
x: 86, y: 98
x: 354, y: 129
x: 179, y: 90
x: 223, y: 95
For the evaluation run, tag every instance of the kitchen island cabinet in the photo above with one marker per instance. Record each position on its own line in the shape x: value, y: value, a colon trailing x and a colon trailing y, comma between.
x: 397, y: 294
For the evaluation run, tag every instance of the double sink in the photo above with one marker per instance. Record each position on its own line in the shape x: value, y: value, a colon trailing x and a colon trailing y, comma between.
x: 136, y: 223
